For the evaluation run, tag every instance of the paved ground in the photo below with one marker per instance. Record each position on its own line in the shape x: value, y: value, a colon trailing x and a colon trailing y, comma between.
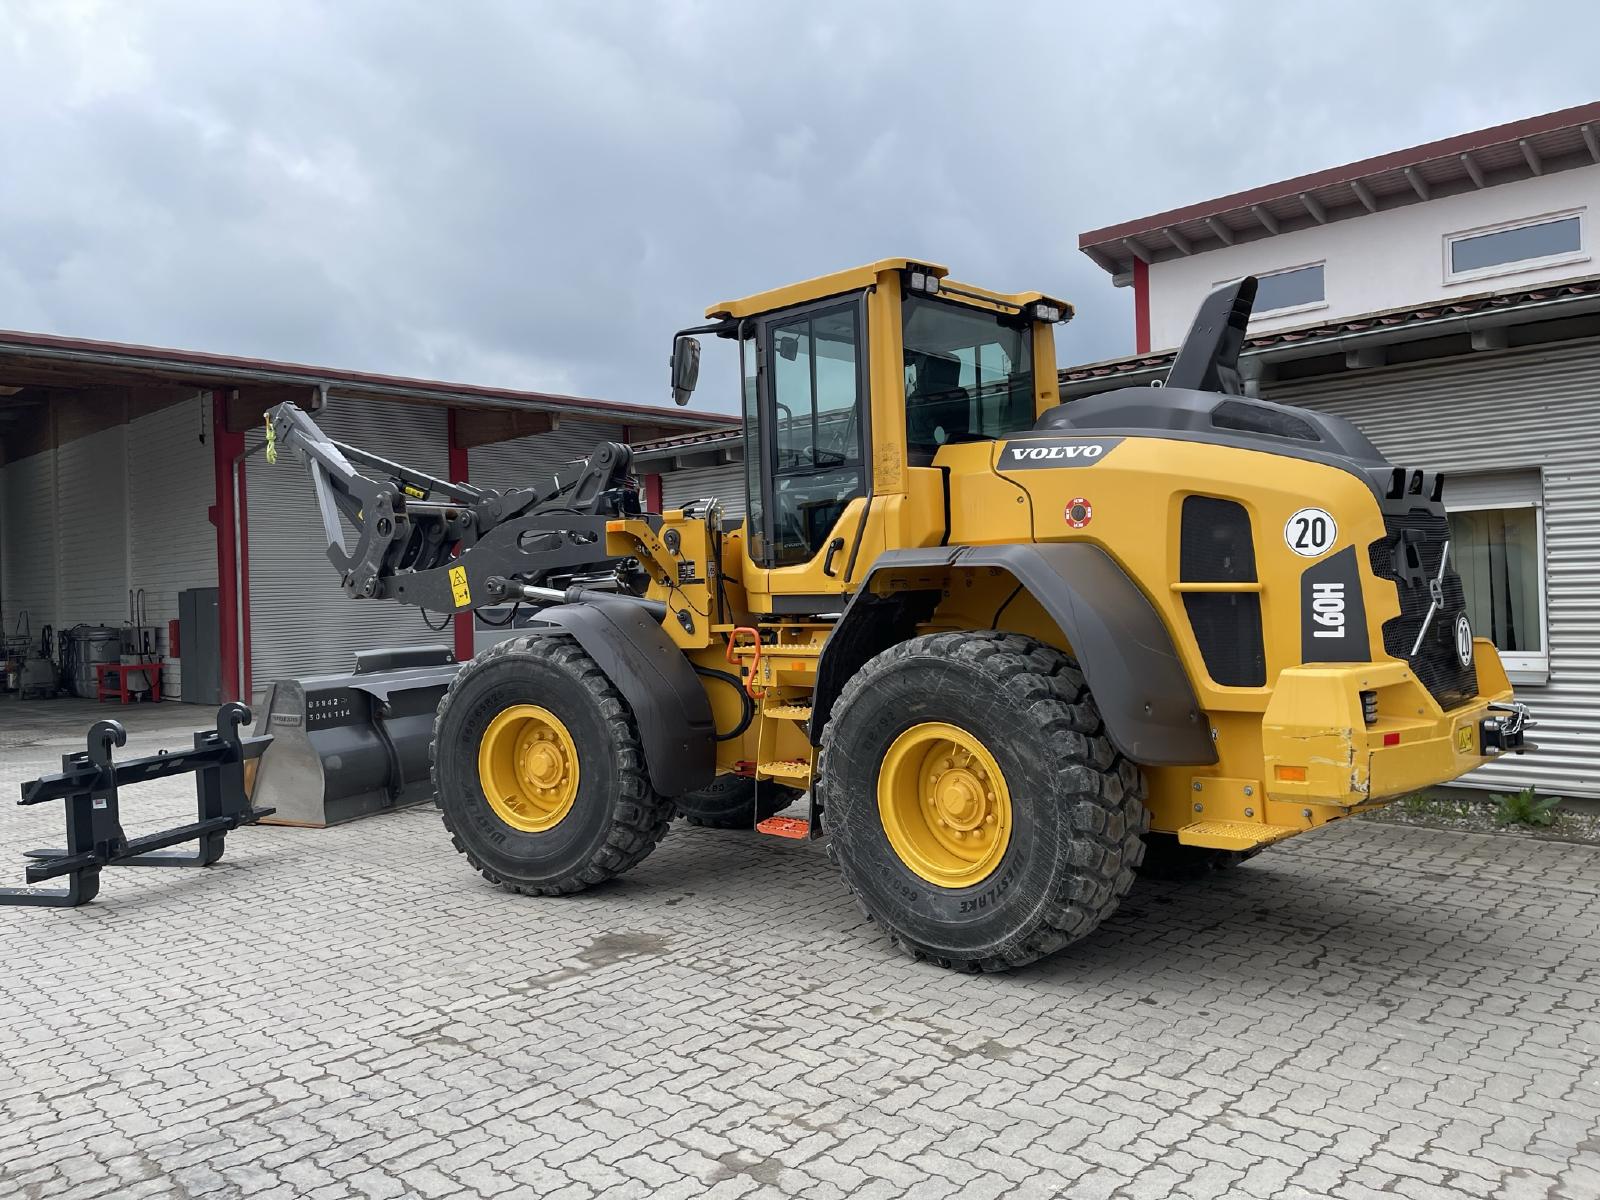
x: 1365, y: 1011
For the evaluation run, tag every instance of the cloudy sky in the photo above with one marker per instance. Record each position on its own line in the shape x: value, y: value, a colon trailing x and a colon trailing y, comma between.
x: 535, y: 195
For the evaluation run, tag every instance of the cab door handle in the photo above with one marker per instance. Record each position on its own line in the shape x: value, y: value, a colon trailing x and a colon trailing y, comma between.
x: 827, y: 564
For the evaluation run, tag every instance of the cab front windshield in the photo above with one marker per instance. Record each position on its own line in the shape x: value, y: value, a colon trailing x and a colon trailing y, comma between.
x: 969, y: 374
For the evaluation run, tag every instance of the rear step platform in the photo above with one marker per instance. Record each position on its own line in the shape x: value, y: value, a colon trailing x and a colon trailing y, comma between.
x: 785, y: 827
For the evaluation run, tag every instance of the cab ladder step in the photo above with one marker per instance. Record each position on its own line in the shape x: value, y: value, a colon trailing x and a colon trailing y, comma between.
x: 794, y: 768
x: 789, y: 712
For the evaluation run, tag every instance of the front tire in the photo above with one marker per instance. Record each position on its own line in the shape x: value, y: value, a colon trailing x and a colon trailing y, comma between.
x: 535, y: 721
x: 976, y: 808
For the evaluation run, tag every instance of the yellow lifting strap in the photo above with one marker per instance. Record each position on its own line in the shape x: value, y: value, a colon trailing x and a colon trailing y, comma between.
x: 272, y: 444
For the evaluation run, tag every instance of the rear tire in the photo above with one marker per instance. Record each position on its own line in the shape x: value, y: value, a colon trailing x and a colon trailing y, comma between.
x: 1026, y: 734
x: 576, y: 833
x: 1167, y: 858
x: 730, y: 803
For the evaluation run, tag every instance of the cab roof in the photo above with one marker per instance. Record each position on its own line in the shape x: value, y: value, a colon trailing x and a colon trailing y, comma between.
x: 856, y: 278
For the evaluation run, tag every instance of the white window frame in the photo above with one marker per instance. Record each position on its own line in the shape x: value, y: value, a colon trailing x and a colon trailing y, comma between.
x: 1518, y: 266
x: 1290, y: 310
x: 1530, y: 668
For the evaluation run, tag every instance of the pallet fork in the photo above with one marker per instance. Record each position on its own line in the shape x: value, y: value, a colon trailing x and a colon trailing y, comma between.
x: 89, y: 781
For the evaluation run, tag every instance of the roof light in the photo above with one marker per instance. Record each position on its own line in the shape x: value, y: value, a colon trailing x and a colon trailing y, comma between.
x: 920, y: 279
x: 1048, y: 313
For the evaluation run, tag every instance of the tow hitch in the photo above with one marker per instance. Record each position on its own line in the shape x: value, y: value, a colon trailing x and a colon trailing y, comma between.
x: 1502, y: 733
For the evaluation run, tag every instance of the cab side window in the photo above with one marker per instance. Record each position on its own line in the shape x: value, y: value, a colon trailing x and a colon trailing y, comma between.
x: 817, y: 427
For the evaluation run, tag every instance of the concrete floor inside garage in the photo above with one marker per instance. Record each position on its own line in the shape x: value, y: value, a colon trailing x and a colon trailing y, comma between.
x: 353, y: 1012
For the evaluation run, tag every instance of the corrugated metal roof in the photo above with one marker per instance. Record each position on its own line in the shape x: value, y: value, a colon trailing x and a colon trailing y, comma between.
x: 1366, y: 323
x: 660, y: 447
x: 1500, y: 154
x: 157, y: 364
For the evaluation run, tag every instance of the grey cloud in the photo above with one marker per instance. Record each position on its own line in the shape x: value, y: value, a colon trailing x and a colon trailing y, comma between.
x: 536, y: 195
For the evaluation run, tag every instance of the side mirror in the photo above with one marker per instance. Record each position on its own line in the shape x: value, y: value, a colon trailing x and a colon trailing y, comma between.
x: 685, y: 368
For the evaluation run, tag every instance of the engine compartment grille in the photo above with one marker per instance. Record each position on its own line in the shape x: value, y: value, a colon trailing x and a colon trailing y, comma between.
x: 1216, y: 547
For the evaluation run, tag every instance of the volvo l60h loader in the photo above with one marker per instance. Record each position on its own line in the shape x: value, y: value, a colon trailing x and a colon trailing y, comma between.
x: 1008, y: 647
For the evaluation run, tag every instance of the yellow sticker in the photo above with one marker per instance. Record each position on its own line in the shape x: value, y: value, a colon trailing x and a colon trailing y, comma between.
x: 459, y: 588
x: 1464, y: 740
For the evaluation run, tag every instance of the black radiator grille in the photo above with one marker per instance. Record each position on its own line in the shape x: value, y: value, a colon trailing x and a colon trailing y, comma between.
x: 1215, y: 547
x: 1409, y: 555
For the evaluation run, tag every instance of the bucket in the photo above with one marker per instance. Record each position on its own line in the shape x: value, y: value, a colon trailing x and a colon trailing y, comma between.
x: 345, y: 746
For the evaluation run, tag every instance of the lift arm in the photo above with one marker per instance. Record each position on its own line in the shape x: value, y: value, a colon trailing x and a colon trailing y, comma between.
x: 449, y: 546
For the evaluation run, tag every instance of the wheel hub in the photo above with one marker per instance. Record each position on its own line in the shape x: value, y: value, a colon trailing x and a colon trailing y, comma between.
x: 528, y: 768
x: 944, y: 804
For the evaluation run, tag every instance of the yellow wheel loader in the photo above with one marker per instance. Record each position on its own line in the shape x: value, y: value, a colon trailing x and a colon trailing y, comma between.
x: 1008, y: 648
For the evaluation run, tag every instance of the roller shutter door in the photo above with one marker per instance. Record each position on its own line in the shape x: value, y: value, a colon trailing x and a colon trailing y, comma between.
x: 523, y: 461
x: 1517, y: 410
x: 725, y: 482
x: 301, y: 620
x: 28, y: 542
x: 92, y: 529
x: 172, y: 544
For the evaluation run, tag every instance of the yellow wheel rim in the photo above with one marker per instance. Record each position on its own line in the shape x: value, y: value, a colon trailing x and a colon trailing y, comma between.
x: 528, y: 767
x: 944, y: 805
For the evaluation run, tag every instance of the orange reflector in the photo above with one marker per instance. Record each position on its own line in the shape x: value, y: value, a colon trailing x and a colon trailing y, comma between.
x: 789, y: 827
x: 1291, y: 774
x: 1391, y: 739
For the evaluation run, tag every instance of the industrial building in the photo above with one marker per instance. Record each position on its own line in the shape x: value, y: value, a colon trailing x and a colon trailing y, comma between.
x: 131, y: 476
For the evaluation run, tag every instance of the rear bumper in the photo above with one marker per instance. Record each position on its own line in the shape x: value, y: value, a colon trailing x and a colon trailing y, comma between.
x: 1319, y: 748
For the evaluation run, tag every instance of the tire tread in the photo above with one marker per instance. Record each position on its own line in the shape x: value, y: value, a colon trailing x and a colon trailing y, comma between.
x: 640, y: 817
x: 1108, y: 816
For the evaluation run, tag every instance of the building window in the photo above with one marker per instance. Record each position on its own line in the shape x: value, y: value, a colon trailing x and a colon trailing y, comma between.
x: 1522, y: 246
x: 1290, y: 291
x: 1497, y: 545
x: 1279, y: 293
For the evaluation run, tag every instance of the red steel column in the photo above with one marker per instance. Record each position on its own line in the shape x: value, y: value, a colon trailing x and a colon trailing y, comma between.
x: 1141, y: 306
x: 458, y: 474
x: 225, y: 451
x: 244, y: 578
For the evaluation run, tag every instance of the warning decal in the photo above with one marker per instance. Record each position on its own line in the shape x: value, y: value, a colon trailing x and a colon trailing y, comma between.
x: 459, y: 590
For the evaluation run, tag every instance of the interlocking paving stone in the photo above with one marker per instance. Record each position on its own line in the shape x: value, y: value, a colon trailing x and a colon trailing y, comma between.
x: 1367, y: 1010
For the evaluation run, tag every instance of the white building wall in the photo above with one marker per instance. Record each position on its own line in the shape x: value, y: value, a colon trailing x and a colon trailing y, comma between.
x: 1380, y: 261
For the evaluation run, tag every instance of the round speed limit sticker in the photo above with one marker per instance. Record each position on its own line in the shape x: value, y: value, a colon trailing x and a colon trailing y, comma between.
x: 1311, y: 532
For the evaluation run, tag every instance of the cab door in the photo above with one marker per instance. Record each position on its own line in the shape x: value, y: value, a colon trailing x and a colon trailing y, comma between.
x: 807, y: 452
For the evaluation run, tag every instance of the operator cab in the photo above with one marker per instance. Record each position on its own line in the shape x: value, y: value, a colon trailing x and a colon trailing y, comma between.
x: 851, y: 384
